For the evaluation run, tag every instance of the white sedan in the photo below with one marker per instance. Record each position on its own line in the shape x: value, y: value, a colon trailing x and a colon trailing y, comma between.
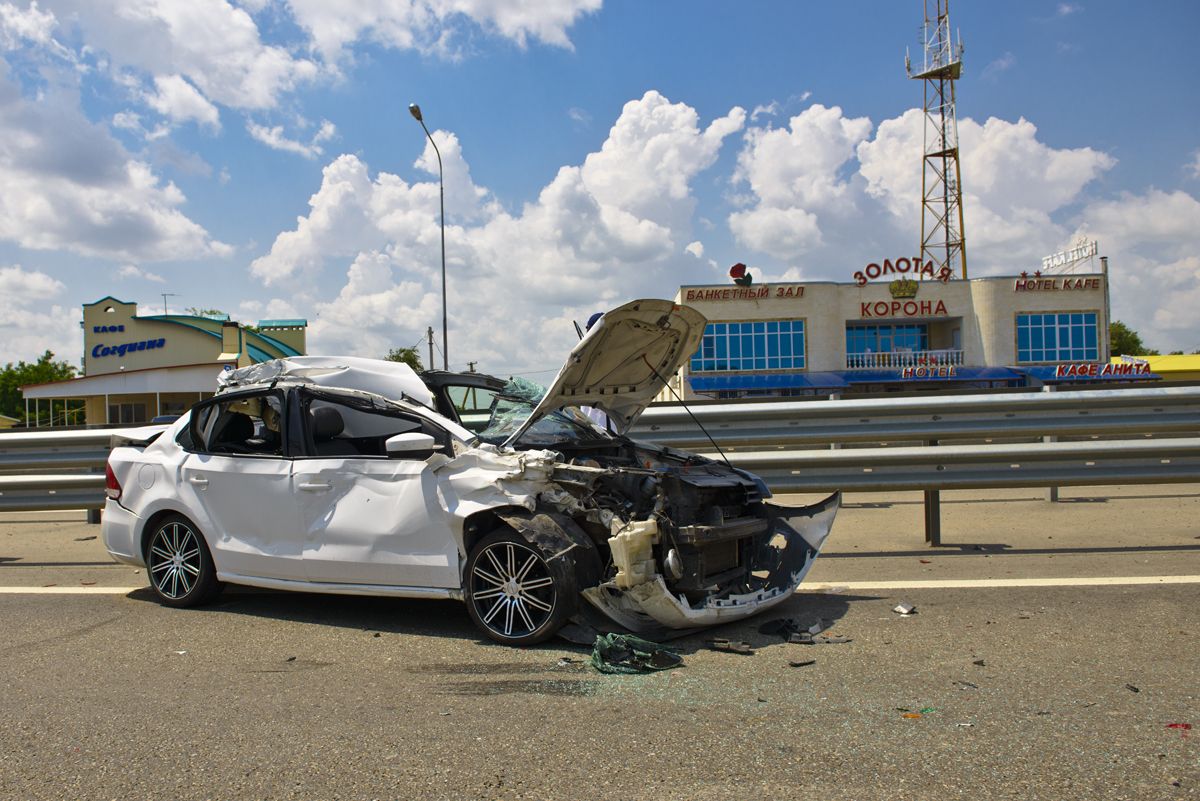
x: 336, y: 475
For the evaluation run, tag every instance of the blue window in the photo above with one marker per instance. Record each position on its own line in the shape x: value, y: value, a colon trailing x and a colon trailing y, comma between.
x: 764, y: 345
x: 1057, y: 337
x: 862, y: 339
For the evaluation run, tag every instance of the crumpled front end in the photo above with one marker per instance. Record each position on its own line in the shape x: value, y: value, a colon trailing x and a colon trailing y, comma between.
x: 647, y: 594
x: 658, y: 539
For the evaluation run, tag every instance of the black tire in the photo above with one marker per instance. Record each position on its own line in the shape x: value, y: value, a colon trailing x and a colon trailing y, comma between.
x: 179, y: 565
x: 512, y: 594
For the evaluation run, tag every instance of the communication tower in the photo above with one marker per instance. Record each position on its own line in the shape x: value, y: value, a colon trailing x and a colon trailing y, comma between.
x: 943, y: 239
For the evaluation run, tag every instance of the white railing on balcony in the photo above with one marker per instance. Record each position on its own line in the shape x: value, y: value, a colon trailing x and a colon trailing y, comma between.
x: 909, y: 358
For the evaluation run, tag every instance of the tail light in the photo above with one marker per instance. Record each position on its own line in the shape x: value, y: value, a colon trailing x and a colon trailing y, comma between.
x: 112, y: 487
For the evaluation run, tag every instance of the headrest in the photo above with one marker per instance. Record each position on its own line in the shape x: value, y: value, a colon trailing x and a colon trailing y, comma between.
x: 238, y: 428
x: 326, y: 422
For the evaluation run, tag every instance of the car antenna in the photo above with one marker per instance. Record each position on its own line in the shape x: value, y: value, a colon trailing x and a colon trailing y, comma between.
x: 683, y: 403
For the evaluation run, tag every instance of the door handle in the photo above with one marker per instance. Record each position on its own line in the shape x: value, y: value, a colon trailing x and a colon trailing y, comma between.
x: 315, y: 487
x: 199, y: 481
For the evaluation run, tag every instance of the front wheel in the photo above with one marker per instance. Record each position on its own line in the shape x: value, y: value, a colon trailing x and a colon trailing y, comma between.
x: 179, y: 564
x: 511, y: 592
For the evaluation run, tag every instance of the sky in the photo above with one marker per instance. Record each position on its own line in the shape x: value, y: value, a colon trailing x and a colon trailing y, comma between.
x: 258, y: 157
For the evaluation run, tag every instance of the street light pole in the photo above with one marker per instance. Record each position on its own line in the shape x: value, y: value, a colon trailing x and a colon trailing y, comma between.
x: 415, y: 110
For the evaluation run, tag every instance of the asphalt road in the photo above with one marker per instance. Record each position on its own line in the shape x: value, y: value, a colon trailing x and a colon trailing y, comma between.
x: 1032, y: 692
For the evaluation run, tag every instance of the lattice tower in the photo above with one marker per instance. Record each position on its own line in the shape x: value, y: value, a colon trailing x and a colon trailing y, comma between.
x: 943, y: 238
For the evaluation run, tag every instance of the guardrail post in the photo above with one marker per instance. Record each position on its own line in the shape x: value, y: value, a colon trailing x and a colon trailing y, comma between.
x: 1051, y: 492
x: 933, y: 513
x: 93, y: 515
x: 933, y: 517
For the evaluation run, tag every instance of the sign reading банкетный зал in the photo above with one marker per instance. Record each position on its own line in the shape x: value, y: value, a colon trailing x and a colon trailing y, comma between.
x: 744, y: 293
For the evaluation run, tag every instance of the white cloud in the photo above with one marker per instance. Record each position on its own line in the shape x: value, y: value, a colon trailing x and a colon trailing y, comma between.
x: 1152, y: 240
x: 66, y: 184
x: 1067, y: 9
x: 28, y: 25
x: 23, y: 286
x: 1013, y: 185
x: 696, y: 249
x: 770, y: 110
x: 598, y: 234
x: 999, y: 65
x: 215, y: 46
x: 795, y: 174
x: 133, y: 271
x: 1194, y: 166
x: 274, y: 138
x: 28, y: 327
x: 178, y: 100
x: 432, y: 25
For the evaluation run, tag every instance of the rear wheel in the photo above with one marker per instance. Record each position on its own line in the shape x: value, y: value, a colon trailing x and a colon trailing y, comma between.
x: 179, y: 565
x: 511, y: 592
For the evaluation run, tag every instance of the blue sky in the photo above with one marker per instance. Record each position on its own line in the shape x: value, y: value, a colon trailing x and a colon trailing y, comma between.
x: 257, y: 157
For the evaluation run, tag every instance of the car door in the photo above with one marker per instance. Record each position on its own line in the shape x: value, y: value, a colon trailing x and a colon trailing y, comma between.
x: 237, y: 477
x: 367, y: 518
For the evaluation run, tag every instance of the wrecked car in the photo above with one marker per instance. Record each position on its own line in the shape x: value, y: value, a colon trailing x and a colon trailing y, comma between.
x: 337, y: 475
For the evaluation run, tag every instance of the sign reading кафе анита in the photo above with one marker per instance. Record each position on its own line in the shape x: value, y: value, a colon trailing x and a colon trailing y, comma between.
x: 1100, y: 370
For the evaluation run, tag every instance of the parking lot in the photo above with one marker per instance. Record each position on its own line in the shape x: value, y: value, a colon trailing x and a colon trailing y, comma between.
x: 1054, y: 654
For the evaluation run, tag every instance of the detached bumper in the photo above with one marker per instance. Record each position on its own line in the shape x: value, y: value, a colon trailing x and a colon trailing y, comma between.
x: 119, y: 528
x: 797, y: 535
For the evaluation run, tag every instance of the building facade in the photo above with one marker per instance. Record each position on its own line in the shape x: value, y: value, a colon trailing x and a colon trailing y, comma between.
x: 902, y: 334
x: 137, y: 368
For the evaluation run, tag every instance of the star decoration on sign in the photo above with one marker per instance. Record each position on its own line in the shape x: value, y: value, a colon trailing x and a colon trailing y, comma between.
x: 1024, y: 274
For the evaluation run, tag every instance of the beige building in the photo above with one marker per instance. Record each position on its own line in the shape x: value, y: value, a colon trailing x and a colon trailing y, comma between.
x: 900, y: 333
x: 137, y: 368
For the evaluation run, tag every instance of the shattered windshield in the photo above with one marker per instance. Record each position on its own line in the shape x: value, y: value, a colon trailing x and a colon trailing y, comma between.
x: 512, y: 407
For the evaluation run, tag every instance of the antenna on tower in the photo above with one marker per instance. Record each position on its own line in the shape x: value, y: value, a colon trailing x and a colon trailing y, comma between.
x: 943, y: 238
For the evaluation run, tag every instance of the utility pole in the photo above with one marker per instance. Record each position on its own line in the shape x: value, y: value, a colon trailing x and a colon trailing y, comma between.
x: 429, y: 334
x: 165, y: 295
x: 471, y: 367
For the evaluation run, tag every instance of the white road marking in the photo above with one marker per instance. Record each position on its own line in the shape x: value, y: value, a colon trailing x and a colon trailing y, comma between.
x: 823, y: 586
x: 69, y: 590
x: 923, y: 584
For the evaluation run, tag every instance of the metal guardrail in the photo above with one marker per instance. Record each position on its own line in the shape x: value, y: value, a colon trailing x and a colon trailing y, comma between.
x: 782, y: 442
x: 77, y: 457
x: 1158, y: 461
x: 797, y: 424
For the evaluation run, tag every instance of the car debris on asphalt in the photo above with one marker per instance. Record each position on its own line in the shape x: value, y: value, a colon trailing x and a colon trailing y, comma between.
x: 904, y: 609
x: 805, y: 638
x: 625, y: 653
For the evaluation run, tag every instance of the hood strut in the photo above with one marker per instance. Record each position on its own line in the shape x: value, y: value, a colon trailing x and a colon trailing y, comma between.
x: 683, y: 403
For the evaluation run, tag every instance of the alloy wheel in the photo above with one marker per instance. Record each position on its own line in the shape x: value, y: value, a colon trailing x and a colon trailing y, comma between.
x: 512, y: 590
x: 175, y: 560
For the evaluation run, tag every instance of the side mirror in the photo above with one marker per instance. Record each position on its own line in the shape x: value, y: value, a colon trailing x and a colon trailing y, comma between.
x: 410, y: 445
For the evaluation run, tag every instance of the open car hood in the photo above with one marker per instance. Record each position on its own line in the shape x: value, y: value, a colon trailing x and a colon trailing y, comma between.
x: 623, y: 362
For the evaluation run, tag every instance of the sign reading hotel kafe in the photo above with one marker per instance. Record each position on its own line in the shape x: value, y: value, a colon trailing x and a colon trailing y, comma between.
x: 901, y: 267
x: 744, y: 293
x: 1101, y: 370
x: 1057, y: 284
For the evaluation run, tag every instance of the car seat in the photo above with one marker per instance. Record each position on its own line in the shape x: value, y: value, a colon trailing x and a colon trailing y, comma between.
x: 327, y: 423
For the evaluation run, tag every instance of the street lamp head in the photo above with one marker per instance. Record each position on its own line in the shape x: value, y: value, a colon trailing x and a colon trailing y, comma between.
x: 415, y: 110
